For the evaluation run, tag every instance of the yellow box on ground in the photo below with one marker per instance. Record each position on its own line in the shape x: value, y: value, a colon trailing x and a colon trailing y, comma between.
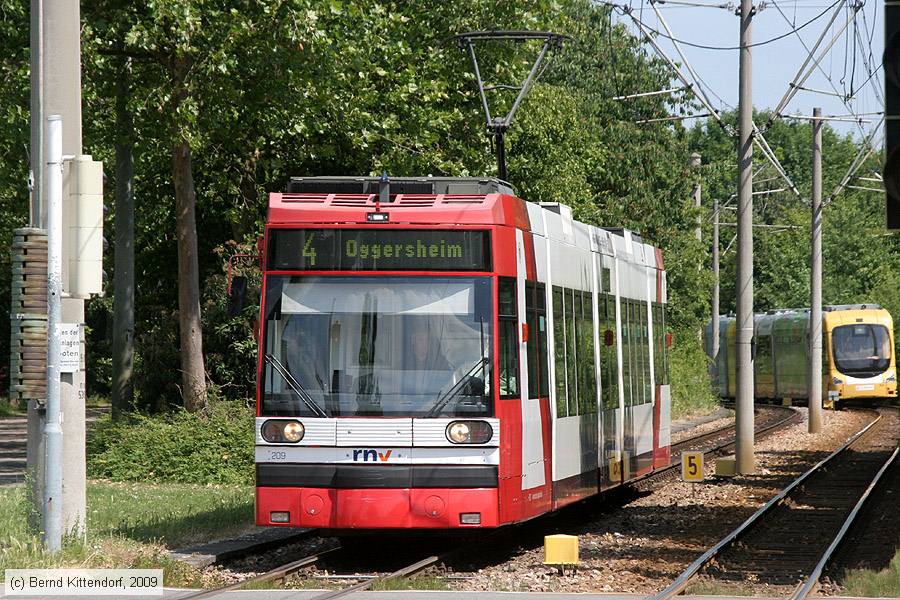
x: 692, y: 467
x: 725, y: 467
x: 560, y: 550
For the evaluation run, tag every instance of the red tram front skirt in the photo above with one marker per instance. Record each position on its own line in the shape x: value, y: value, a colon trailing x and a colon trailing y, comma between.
x: 418, y: 508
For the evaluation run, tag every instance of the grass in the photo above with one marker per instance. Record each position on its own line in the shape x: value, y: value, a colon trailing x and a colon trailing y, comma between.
x: 416, y: 582
x: 874, y: 584
x: 131, y: 525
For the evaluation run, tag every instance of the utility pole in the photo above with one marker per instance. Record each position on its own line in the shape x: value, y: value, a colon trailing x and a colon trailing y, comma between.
x: 695, y: 166
x: 815, y: 283
x: 56, y: 90
x: 744, y: 454
x: 714, y: 367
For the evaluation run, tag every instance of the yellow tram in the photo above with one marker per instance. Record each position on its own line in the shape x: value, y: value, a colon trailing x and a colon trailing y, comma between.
x: 858, y: 358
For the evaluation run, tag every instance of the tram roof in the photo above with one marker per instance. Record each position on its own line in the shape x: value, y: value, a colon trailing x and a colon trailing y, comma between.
x: 429, y: 201
x: 413, y: 200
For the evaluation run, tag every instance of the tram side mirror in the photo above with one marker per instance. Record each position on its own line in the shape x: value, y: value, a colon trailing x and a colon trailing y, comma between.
x: 609, y: 338
x: 668, y: 339
x: 237, y: 295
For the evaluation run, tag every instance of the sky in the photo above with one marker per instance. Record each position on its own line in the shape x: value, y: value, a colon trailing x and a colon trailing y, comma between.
x: 776, y: 63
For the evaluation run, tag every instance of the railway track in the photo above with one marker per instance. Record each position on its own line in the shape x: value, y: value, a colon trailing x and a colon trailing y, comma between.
x: 771, y: 418
x: 283, y: 572
x: 790, y: 540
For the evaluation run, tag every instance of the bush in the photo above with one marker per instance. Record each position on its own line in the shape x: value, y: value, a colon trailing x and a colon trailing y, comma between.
x: 215, y: 447
x: 692, y: 391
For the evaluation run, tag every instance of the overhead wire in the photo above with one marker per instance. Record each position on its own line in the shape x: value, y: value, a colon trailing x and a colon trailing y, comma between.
x: 758, y: 138
x: 628, y: 9
x: 817, y: 65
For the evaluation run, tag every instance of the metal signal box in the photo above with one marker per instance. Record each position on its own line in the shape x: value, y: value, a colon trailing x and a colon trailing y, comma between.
x: 83, y: 226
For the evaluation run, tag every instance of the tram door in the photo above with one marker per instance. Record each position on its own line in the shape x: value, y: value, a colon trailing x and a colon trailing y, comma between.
x: 532, y: 434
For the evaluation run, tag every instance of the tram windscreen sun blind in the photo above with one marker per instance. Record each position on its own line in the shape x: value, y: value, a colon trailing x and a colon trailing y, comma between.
x: 379, y: 250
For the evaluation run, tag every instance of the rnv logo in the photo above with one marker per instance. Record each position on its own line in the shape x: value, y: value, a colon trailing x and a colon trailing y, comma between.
x: 372, y: 455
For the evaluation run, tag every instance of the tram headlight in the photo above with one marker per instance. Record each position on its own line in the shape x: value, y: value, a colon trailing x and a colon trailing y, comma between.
x: 277, y: 431
x: 469, y: 432
x: 293, y: 431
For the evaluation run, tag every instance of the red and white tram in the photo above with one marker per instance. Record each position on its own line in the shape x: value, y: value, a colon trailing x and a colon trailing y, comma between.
x: 456, y: 357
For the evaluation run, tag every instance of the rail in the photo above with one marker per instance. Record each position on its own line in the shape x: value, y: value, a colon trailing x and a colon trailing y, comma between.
x: 279, y: 572
x: 682, y: 580
x: 812, y: 582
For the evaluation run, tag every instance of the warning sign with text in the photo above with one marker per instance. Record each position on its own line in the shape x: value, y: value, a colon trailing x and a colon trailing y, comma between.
x: 69, y: 347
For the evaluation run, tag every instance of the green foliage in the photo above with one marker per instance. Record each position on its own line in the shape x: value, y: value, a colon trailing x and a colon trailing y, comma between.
x: 692, y: 392
x: 874, y: 584
x: 216, y: 447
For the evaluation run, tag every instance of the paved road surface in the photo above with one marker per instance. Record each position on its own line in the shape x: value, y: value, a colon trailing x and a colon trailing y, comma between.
x: 13, y: 438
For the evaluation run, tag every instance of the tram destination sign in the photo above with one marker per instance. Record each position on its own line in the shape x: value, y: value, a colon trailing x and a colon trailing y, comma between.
x: 379, y: 250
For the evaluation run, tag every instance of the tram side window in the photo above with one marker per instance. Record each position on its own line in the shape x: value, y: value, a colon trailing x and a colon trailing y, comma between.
x: 646, y: 384
x: 536, y: 318
x: 636, y: 392
x: 658, y: 342
x: 571, y: 352
x: 588, y: 381
x: 579, y: 350
x: 633, y: 350
x: 608, y: 360
x: 508, y: 371
x: 626, y: 351
x: 664, y: 347
x: 559, y: 346
x: 543, y: 351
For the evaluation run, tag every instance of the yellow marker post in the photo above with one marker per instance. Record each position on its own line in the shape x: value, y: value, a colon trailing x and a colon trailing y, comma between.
x: 692, y: 467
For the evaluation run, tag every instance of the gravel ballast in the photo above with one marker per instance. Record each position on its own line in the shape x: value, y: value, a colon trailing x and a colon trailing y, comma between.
x: 643, y: 545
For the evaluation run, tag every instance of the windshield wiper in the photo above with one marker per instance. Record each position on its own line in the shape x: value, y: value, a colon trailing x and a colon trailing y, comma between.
x: 295, y: 386
x: 453, y: 392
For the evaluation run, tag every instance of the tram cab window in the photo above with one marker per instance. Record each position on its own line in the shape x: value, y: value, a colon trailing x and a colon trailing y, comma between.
x: 508, y: 368
x: 861, y: 349
x: 377, y: 346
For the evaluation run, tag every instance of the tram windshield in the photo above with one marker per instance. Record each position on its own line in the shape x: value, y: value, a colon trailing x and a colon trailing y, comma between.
x: 861, y: 349
x: 377, y: 346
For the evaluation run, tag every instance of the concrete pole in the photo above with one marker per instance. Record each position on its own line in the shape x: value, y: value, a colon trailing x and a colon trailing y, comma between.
x: 714, y: 367
x: 36, y: 212
x: 51, y: 507
x: 815, y: 283
x: 56, y: 64
x: 695, y: 165
x: 744, y: 454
